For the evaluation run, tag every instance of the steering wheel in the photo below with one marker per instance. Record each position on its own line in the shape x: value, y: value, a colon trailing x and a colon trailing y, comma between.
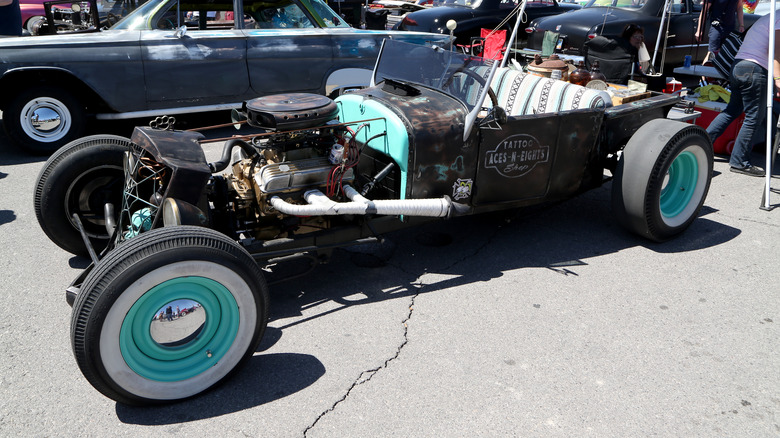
x: 473, y: 75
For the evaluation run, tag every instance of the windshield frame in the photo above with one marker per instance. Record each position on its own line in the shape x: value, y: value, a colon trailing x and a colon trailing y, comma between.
x: 433, y: 67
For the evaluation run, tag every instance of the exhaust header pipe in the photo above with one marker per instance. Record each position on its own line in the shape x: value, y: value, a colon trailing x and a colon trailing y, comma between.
x: 321, y: 205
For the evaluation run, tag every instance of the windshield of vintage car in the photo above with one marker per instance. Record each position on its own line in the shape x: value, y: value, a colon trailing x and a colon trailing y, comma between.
x: 622, y: 4
x: 492, y: 4
x: 208, y: 15
x: 461, y: 76
x: 473, y: 4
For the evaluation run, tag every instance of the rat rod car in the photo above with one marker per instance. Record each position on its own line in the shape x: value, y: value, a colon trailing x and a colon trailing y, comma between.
x: 167, y: 228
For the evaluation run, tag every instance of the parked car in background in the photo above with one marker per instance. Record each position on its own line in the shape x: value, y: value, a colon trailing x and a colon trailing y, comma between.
x: 609, y: 17
x: 108, y: 12
x: 473, y: 15
x: 393, y: 11
x: 157, y: 61
x: 33, y: 15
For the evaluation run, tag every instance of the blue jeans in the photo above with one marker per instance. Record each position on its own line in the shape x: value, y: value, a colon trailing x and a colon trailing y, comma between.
x: 748, y: 93
x: 716, y: 36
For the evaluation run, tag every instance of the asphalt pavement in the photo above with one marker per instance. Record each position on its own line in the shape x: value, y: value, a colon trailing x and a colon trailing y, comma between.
x: 552, y: 322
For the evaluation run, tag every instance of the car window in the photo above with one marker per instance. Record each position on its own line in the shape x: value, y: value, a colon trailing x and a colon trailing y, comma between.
x: 467, y: 3
x: 218, y: 14
x: 277, y: 15
x: 110, y: 11
x: 679, y: 6
x: 323, y: 12
x: 539, y: 3
x: 507, y: 4
x: 626, y: 4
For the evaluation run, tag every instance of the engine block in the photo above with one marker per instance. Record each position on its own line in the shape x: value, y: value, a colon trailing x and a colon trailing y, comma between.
x: 289, y: 176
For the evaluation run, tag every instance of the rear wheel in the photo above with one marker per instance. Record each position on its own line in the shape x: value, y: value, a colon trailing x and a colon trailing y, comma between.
x: 34, y: 24
x: 80, y: 178
x: 41, y: 120
x: 662, y: 178
x: 131, y: 349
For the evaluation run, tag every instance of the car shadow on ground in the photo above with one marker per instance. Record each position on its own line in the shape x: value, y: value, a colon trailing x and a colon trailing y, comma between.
x: 264, y: 379
x: 465, y: 250
x: 11, y: 155
x: 559, y: 238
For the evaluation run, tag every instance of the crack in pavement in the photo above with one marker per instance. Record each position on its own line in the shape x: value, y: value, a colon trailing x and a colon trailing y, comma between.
x: 367, y: 375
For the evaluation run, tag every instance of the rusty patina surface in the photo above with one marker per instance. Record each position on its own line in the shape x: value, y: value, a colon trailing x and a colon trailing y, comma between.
x: 438, y: 156
x: 542, y: 156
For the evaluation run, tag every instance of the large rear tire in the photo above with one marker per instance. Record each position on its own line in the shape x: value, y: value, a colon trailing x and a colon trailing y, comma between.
x: 131, y: 351
x: 80, y: 178
x: 662, y: 178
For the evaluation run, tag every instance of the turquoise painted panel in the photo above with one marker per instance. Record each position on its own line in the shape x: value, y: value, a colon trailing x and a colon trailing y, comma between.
x: 395, y: 144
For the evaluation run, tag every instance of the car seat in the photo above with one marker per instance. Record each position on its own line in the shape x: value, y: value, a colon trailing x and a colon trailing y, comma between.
x: 615, y: 58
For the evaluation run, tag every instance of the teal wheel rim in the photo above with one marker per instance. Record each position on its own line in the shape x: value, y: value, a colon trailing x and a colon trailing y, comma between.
x: 170, y: 364
x: 681, y: 184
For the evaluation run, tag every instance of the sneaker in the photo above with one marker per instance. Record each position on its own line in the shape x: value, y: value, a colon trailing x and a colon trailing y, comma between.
x: 748, y: 170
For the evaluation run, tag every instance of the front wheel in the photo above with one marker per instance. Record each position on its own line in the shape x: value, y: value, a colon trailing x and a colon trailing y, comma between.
x: 80, y: 178
x: 41, y: 120
x: 662, y: 178
x: 126, y: 337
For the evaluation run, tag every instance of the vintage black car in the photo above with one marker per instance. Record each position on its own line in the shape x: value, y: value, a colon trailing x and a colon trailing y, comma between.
x: 473, y: 15
x: 430, y: 141
x: 172, y: 57
x: 609, y: 17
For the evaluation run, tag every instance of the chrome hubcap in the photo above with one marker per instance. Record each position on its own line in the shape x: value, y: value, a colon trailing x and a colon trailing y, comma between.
x: 45, y: 119
x: 177, y: 323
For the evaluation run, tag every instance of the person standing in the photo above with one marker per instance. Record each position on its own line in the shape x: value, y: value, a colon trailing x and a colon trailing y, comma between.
x: 10, y: 18
x: 748, y: 81
x: 725, y: 16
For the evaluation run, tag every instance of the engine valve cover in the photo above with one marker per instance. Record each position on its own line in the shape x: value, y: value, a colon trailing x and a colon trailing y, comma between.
x: 296, y: 175
x: 290, y: 111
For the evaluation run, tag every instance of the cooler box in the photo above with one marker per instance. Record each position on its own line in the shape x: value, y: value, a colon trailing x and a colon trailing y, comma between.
x: 709, y: 110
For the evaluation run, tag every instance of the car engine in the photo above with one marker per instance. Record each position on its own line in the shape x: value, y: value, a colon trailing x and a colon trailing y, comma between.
x: 298, y: 175
x: 303, y: 149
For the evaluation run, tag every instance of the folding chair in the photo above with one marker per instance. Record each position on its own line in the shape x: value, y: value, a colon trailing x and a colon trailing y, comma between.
x: 549, y: 43
x: 489, y: 44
